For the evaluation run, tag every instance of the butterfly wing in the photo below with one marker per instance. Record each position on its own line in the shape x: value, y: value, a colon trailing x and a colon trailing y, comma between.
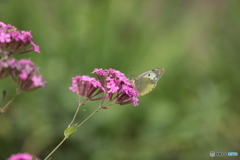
x: 144, y: 85
x: 158, y: 72
x: 147, y: 81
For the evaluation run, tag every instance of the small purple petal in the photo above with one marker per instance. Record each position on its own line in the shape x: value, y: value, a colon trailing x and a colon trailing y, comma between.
x: 6, y: 67
x: 35, y: 47
x: 4, y: 37
x: 2, y: 25
x: 111, y: 85
x: 38, y: 81
x: 23, y: 76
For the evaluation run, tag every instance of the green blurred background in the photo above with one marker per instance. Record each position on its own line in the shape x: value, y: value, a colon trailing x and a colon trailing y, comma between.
x: 193, y: 110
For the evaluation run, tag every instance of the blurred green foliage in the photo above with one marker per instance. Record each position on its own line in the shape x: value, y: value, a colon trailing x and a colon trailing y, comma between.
x: 193, y: 110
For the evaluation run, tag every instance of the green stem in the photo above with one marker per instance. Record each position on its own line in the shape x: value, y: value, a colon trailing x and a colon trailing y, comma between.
x: 77, y: 126
x: 90, y: 115
x: 79, y: 105
x: 2, y: 110
x: 56, y: 148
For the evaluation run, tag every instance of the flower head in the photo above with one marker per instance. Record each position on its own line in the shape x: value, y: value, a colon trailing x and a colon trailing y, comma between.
x: 127, y: 95
x: 117, y: 87
x: 110, y: 76
x: 86, y: 86
x: 25, y: 74
x: 6, y: 67
x: 13, y: 40
x: 21, y: 156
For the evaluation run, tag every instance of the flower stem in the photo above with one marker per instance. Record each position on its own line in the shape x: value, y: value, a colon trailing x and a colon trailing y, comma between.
x: 79, y: 105
x: 70, y: 126
x: 90, y: 116
x: 3, y: 109
x: 55, y: 148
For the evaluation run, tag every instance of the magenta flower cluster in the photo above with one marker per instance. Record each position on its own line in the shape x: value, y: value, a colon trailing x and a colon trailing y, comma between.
x: 113, y: 85
x: 21, y: 156
x: 13, y: 40
x: 23, y: 71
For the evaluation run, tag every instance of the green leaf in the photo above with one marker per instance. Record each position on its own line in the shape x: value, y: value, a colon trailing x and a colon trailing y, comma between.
x: 70, y: 130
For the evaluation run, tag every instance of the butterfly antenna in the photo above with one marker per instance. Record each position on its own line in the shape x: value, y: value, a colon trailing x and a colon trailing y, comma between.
x: 133, y: 76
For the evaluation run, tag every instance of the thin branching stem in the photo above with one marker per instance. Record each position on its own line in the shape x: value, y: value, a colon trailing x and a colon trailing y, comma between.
x: 3, y: 109
x: 90, y: 116
x: 56, y: 148
x: 100, y: 106
x: 74, y: 117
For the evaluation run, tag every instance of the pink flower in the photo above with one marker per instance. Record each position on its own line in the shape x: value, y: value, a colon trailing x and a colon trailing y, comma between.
x: 111, y: 85
x: 118, y: 87
x: 25, y: 74
x: 13, y: 40
x: 35, y: 47
x: 21, y: 156
x: 127, y: 95
x: 86, y: 86
x: 2, y: 25
x: 4, y: 37
x: 38, y: 81
x: 6, y: 67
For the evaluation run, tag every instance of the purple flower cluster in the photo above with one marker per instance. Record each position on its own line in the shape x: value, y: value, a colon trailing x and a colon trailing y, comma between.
x: 23, y: 71
x: 112, y: 83
x: 86, y: 86
x: 21, y: 156
x: 6, y: 67
x: 13, y: 40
